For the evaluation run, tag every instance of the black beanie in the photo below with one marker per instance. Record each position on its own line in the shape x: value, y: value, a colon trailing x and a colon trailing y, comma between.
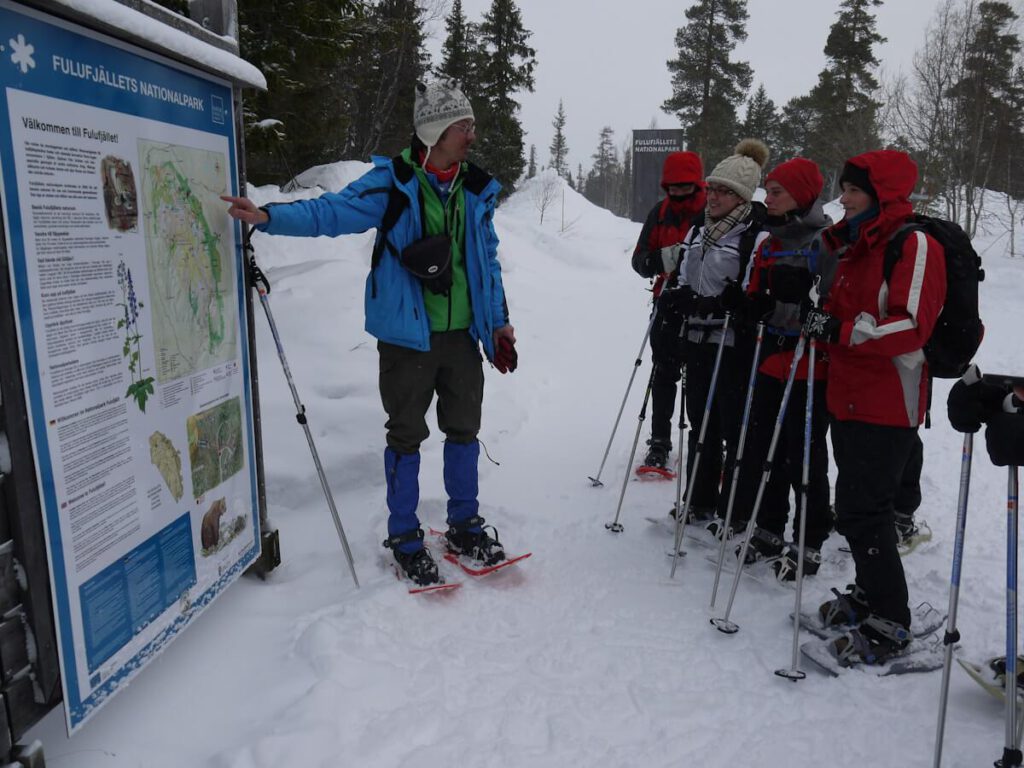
x: 854, y: 174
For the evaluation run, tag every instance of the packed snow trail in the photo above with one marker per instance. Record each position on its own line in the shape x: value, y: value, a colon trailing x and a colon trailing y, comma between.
x: 585, y: 654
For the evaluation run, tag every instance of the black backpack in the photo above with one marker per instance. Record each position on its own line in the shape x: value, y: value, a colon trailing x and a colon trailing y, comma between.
x: 958, y: 330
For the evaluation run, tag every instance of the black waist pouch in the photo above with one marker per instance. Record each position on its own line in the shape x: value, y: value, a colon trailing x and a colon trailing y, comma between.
x: 430, y: 260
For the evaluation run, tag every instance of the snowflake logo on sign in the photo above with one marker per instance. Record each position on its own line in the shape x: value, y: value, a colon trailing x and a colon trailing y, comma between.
x: 22, y: 54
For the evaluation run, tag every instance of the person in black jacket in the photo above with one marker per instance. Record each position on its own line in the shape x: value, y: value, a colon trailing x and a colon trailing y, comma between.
x: 655, y: 257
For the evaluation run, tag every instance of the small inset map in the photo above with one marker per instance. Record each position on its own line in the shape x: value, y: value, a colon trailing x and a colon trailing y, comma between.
x: 191, y: 275
x: 215, y: 445
x: 167, y: 459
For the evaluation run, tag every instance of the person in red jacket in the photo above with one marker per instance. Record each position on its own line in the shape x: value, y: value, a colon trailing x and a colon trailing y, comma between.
x: 655, y: 256
x: 780, y: 281
x: 877, y: 389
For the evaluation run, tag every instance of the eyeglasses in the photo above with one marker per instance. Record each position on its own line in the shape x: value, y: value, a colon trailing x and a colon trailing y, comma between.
x: 465, y: 128
x: 721, y: 191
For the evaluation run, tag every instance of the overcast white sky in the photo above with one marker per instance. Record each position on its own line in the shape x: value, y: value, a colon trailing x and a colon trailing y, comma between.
x: 609, y: 65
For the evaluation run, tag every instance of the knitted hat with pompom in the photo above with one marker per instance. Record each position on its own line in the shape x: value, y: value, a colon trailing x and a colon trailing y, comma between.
x: 741, y: 171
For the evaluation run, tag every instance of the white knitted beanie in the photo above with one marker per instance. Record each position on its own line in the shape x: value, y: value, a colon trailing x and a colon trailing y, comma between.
x: 741, y: 172
x: 437, y: 106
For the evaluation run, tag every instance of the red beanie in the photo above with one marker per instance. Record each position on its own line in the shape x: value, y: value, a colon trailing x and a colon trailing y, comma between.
x: 801, y: 178
x: 682, y: 168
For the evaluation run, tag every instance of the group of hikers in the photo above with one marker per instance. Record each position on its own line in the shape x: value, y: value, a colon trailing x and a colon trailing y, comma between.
x: 725, y: 265
x: 778, y: 297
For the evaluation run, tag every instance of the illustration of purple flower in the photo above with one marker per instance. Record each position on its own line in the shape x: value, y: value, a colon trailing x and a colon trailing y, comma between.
x: 141, y: 388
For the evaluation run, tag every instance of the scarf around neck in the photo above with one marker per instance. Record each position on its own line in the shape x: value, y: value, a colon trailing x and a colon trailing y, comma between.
x: 714, y: 231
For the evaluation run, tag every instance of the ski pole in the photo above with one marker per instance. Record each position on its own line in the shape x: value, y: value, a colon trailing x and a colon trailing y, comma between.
x: 615, y: 526
x: 723, y: 624
x: 952, y: 634
x: 595, y: 481
x: 683, y: 509
x: 740, y: 448
x: 682, y: 426
x: 262, y: 286
x: 794, y: 673
x: 1011, y: 752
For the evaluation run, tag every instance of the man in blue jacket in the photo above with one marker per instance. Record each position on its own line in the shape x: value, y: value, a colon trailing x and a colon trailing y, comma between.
x: 433, y: 296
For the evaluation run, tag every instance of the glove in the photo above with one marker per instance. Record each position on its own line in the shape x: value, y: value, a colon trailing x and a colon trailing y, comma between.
x: 822, y: 326
x: 652, y: 263
x: 670, y: 257
x: 760, y: 305
x: 647, y: 263
x: 676, y: 302
x: 1004, y: 438
x: 705, y: 306
x: 506, y: 359
x: 732, y: 299
x: 972, y: 401
x: 789, y: 284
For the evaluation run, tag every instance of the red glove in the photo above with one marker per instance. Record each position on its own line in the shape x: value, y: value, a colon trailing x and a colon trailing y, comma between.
x: 505, y: 356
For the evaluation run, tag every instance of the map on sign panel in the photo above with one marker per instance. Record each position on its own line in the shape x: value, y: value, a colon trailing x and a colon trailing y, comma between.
x: 191, y: 275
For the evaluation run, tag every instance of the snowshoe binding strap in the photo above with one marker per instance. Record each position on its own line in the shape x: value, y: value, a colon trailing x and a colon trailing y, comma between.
x: 786, y: 566
x: 461, y: 526
x: 844, y: 609
x: 394, y: 542
x: 477, y: 545
x: 875, y: 642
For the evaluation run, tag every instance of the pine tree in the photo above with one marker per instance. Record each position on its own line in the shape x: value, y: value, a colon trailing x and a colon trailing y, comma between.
x: 559, y: 147
x: 304, y: 116
x: 762, y: 121
x: 506, y: 67
x: 839, y: 117
x: 707, y: 86
x: 579, y: 178
x: 457, y: 51
x: 531, y: 169
x: 385, y: 78
x: 625, y: 200
x: 604, y: 175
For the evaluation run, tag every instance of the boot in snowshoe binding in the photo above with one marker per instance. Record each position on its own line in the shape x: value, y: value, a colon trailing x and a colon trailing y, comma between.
x: 764, y: 545
x: 850, y: 608
x: 786, y: 566
x: 417, y: 565
x: 470, y: 538
x: 717, y: 527
x: 875, y: 641
x: 998, y: 667
x: 910, y: 533
x: 657, y: 453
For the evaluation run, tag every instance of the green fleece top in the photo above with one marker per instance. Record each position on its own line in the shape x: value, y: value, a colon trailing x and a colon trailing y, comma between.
x: 452, y: 312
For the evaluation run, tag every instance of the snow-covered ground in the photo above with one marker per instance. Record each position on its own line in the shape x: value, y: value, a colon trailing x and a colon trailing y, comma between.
x: 585, y: 654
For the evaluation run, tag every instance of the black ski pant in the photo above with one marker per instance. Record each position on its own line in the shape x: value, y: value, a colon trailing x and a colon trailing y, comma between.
x: 723, y: 425
x: 667, y: 354
x: 908, y: 497
x: 871, y: 459
x: 787, y: 463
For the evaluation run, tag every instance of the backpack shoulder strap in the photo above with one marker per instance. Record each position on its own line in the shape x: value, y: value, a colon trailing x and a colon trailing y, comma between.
x: 894, y: 248
x: 748, y: 240
x: 397, y: 203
